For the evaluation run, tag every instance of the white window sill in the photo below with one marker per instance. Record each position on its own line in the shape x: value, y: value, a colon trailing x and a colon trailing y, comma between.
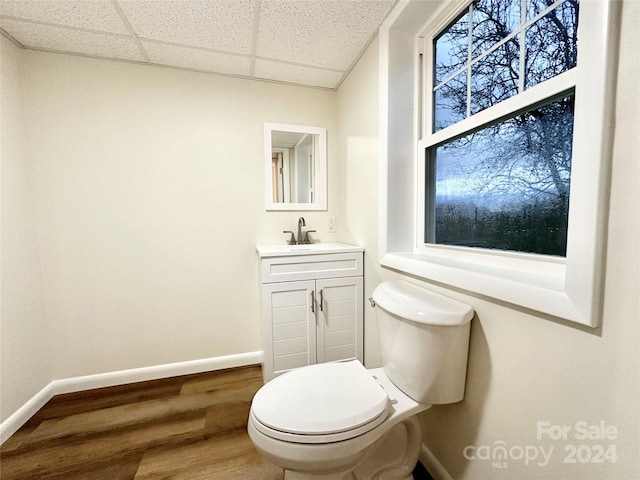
x: 541, y: 290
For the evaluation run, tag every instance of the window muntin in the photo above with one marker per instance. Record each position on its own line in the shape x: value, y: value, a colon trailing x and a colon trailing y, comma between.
x: 506, y: 47
x: 516, y: 166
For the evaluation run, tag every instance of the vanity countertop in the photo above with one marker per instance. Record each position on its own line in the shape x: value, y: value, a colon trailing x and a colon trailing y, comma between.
x: 284, y: 250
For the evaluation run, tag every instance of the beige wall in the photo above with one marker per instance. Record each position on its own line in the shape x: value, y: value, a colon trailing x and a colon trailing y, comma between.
x: 358, y: 154
x: 25, y: 360
x: 147, y: 198
x: 523, y: 368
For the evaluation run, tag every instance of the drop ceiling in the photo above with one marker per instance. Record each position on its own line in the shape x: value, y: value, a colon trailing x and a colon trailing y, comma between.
x: 306, y: 42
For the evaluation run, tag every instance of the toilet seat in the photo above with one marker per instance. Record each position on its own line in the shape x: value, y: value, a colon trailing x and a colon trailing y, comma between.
x: 320, y: 403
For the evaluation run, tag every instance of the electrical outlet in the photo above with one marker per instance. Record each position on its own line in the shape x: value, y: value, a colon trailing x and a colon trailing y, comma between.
x: 332, y: 224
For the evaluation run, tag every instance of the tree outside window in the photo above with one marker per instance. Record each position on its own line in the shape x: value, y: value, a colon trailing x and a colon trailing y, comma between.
x: 506, y: 184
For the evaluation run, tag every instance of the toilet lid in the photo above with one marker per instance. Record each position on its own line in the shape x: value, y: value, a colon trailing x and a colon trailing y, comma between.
x: 320, y: 399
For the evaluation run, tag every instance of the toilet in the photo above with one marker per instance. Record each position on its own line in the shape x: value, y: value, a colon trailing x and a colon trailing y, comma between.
x: 341, y: 421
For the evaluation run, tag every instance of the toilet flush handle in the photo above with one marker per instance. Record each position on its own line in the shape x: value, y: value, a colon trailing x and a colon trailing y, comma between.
x: 372, y: 302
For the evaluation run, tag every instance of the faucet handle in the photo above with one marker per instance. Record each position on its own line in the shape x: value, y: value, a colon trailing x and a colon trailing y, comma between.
x: 292, y: 240
x: 305, y: 238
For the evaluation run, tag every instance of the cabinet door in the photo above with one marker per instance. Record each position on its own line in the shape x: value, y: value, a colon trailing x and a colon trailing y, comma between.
x: 340, y: 319
x: 289, y: 326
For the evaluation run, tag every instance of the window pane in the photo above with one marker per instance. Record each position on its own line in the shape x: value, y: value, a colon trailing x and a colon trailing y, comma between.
x: 493, y: 21
x: 507, y: 186
x: 450, y: 102
x: 452, y: 48
x: 495, y: 77
x: 535, y: 7
x: 552, y: 44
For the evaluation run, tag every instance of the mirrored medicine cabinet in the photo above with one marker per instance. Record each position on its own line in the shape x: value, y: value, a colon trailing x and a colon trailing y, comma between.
x: 295, y: 167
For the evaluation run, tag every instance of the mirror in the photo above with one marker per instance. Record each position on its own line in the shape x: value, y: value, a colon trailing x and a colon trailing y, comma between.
x: 295, y: 167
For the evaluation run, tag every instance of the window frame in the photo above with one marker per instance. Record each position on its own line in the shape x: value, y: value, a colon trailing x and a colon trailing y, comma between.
x: 568, y: 288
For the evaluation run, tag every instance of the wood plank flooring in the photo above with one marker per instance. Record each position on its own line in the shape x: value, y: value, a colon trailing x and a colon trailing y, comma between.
x: 184, y: 428
x: 191, y: 427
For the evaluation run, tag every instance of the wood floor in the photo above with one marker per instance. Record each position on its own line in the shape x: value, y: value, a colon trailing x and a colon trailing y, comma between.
x: 184, y: 428
x: 191, y: 427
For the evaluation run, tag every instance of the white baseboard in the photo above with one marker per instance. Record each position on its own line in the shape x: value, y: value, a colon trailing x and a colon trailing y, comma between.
x: 25, y: 412
x: 122, y: 377
x: 433, y: 466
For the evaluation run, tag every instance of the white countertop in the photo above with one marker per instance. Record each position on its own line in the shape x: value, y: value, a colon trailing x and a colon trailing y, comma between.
x: 284, y: 250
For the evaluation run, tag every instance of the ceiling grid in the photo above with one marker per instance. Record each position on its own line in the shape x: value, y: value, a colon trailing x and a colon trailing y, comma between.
x: 313, y: 43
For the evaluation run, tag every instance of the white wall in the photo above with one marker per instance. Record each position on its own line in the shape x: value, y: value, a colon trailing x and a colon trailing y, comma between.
x: 25, y: 361
x: 523, y: 368
x: 358, y: 154
x: 147, y: 197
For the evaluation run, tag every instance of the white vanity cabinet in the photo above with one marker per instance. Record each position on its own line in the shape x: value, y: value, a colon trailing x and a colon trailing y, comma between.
x: 312, y: 307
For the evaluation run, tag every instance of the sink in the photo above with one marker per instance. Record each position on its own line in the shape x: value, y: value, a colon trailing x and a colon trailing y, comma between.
x: 309, y: 249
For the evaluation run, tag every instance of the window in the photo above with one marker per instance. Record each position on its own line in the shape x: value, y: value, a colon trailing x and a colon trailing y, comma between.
x: 510, y: 124
x: 506, y: 184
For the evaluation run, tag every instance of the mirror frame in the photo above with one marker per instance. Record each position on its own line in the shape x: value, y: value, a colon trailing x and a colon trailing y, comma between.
x: 319, y: 173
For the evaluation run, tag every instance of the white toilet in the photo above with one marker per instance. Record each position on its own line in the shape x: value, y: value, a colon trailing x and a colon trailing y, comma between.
x: 341, y: 421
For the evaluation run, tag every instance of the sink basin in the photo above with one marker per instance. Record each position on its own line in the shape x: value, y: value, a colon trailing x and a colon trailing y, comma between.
x: 309, y: 249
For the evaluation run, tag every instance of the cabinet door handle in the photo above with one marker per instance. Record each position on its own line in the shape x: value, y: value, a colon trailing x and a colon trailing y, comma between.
x: 321, y: 300
x: 313, y: 301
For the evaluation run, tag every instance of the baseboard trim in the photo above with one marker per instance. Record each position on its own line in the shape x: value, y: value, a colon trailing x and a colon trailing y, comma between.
x: 25, y: 412
x: 433, y: 466
x: 122, y: 377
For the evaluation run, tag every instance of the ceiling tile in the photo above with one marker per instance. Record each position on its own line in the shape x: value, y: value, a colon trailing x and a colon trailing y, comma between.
x: 197, y: 59
x: 216, y: 24
x: 93, y: 15
x: 284, y: 72
x: 309, y: 42
x: 328, y: 33
x: 33, y: 35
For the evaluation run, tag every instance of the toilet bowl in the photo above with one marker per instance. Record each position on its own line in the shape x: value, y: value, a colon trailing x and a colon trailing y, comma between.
x: 326, y: 420
x: 340, y: 421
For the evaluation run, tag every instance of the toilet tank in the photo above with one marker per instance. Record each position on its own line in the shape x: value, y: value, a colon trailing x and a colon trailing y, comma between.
x: 424, y: 341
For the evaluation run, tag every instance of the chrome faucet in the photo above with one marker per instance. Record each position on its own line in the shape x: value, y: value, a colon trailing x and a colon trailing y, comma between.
x: 301, y: 223
x: 303, y: 237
